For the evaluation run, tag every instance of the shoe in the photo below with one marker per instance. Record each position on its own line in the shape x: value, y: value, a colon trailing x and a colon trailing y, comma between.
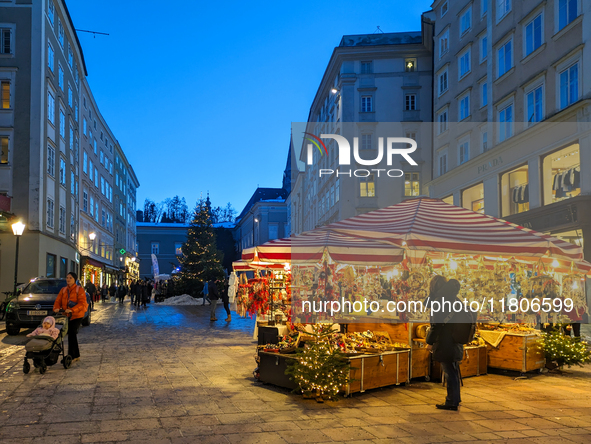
x: 75, y: 360
x: 213, y: 319
x: 447, y: 407
x: 229, y: 318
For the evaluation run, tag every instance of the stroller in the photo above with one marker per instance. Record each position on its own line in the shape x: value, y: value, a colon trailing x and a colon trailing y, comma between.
x: 45, y: 351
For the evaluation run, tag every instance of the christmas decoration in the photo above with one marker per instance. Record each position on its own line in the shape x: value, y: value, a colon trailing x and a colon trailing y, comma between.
x: 565, y: 350
x: 320, y: 370
x: 200, y: 260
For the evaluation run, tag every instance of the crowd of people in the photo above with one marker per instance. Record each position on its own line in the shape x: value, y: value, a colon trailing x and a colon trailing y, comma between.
x: 139, y: 292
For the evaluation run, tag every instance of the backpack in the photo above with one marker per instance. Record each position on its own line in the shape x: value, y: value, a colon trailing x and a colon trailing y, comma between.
x: 464, y: 326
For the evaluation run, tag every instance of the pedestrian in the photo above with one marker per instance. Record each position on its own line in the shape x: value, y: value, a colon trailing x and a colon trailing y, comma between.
x: 213, y: 296
x: 91, y: 290
x: 146, y: 293
x: 104, y: 292
x: 226, y: 300
x: 112, y: 291
x: 206, y: 293
x: 121, y: 292
x: 72, y: 301
x: 446, y: 351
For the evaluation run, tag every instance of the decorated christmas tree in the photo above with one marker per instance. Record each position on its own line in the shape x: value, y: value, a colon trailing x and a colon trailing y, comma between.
x: 564, y: 350
x: 320, y: 370
x: 200, y: 260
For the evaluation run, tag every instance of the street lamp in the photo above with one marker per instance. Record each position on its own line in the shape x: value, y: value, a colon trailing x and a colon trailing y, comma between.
x: 17, y: 228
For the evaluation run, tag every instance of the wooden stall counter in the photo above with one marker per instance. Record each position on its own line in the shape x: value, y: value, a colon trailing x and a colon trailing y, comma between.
x: 473, y: 364
x: 518, y: 352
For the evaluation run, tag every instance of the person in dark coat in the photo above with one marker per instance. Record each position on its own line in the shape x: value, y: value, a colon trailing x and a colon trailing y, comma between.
x: 226, y: 300
x: 121, y: 292
x: 104, y: 292
x: 146, y: 293
x: 91, y: 290
x: 213, y: 296
x: 112, y: 290
x: 440, y: 338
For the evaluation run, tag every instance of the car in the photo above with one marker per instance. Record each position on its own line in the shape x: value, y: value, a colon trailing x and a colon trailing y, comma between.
x: 29, y: 308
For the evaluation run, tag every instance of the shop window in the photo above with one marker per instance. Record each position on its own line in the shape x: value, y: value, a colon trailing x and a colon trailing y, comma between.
x: 367, y: 187
x: 63, y: 267
x: 473, y: 198
x: 515, y: 191
x: 411, y: 184
x: 562, y: 174
x: 50, y: 266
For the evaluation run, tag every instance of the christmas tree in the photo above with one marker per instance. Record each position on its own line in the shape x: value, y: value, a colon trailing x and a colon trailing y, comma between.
x: 565, y: 350
x: 200, y: 260
x: 320, y: 370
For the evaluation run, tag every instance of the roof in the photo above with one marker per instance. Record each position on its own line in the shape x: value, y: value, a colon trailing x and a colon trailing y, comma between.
x: 262, y: 195
x: 389, y: 38
x: 76, y: 37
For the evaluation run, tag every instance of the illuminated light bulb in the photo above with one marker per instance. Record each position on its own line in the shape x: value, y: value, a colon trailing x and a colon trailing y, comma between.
x: 575, y: 285
x: 453, y: 265
x: 555, y: 263
x: 404, y: 244
x: 396, y: 272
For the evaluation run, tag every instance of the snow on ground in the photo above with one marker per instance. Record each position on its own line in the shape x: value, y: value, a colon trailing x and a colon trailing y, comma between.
x: 184, y: 299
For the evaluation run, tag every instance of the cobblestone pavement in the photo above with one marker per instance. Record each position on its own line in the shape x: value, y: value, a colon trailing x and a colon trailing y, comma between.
x: 166, y: 375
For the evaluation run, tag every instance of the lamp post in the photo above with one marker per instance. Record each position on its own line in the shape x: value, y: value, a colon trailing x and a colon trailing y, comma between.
x: 17, y: 228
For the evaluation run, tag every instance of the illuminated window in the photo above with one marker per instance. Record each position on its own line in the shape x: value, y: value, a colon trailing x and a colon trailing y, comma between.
x: 411, y: 184
x: 515, y: 191
x: 367, y: 187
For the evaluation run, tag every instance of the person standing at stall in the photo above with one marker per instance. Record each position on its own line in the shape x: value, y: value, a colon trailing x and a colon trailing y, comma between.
x: 440, y: 339
x: 71, y: 300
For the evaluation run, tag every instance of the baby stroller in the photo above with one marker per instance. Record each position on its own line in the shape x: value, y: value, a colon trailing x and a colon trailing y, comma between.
x: 45, y: 351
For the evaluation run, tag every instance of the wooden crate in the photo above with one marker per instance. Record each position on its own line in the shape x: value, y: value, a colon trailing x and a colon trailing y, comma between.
x: 421, y: 363
x: 518, y: 352
x: 373, y: 371
x: 474, y: 363
x: 272, y: 368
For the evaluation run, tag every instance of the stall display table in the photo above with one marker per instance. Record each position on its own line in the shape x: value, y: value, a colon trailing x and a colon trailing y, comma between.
x: 473, y: 364
x: 518, y: 352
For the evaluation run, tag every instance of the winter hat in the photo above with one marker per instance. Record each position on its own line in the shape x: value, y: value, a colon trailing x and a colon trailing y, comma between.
x: 51, y: 320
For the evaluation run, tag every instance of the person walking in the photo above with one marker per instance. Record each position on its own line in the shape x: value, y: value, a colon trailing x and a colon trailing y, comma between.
x: 146, y: 293
x: 104, y: 293
x: 213, y: 297
x: 121, y: 292
x: 206, y: 293
x: 440, y: 340
x: 112, y: 291
x: 72, y: 301
x: 91, y: 290
x: 226, y: 301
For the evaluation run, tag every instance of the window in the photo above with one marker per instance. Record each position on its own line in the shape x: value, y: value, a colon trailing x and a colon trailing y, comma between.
x: 50, y: 56
x: 50, y: 107
x: 533, y: 35
x: 178, y: 248
x: 473, y: 198
x: 50, y: 271
x: 49, y: 212
x: 366, y: 104
x: 464, y: 63
x: 91, y: 206
x: 85, y: 162
x: 466, y: 21
x: 155, y: 248
x: 410, y: 102
x: 515, y: 191
x: 464, y: 151
x: 503, y: 8
x: 569, y: 86
x: 70, y: 55
x: 62, y: 226
x: 6, y: 41
x: 94, y: 144
x: 442, y: 119
x: 71, y: 137
x: 50, y: 12
x: 464, y: 107
x: 84, y: 200
x: 484, y: 141
x: 567, y: 12
x: 483, y: 7
x: 96, y: 177
x: 366, y: 68
x: 366, y: 142
x: 505, y: 123
x: 443, y: 82
x: 5, y: 94
x: 103, y: 218
x: 410, y: 65
x: 534, y: 105
x: 84, y: 126
x: 102, y: 185
x: 442, y: 164
x: 484, y: 93
x: 50, y: 161
x: 90, y: 169
x: 62, y: 172
x: 96, y: 212
x: 483, y: 48
x: 102, y: 157
x: 367, y: 187
x: 72, y: 227
x: 505, y: 58
x: 70, y: 96
x: 4, y: 142
x: 62, y: 124
x: 444, y: 9
x: 561, y: 172
x: 72, y: 182
x: 60, y: 32
x: 444, y: 43
x: 411, y: 184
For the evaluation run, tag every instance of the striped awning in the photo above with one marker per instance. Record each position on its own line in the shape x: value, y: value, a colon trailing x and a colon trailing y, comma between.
x: 242, y: 265
x: 432, y: 225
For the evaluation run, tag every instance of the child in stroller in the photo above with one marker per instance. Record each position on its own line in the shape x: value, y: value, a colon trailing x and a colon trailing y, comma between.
x: 46, y: 347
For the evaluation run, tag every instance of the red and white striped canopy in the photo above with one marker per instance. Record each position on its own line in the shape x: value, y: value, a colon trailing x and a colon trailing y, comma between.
x: 242, y: 265
x: 310, y: 246
x: 433, y: 225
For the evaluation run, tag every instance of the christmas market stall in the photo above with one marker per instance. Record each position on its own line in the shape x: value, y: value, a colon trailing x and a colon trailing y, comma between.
x: 376, y: 268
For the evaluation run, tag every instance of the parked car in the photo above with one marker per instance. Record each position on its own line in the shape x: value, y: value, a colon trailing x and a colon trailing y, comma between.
x: 36, y: 301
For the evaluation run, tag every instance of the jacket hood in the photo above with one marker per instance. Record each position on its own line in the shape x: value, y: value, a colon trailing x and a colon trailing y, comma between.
x: 448, y: 291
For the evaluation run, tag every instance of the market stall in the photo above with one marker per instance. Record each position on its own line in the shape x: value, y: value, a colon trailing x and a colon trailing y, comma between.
x: 389, y: 255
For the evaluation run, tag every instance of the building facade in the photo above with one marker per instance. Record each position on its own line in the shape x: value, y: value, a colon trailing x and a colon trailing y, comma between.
x: 370, y: 78
x: 511, y: 112
x: 56, y: 155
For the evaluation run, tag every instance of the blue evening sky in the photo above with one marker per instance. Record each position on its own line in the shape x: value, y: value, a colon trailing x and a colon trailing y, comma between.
x: 201, y: 95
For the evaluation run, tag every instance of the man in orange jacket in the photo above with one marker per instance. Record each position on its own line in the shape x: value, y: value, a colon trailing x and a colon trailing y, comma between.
x: 72, y: 300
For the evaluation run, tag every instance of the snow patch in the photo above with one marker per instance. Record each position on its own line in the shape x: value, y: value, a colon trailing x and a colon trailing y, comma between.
x: 184, y: 299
